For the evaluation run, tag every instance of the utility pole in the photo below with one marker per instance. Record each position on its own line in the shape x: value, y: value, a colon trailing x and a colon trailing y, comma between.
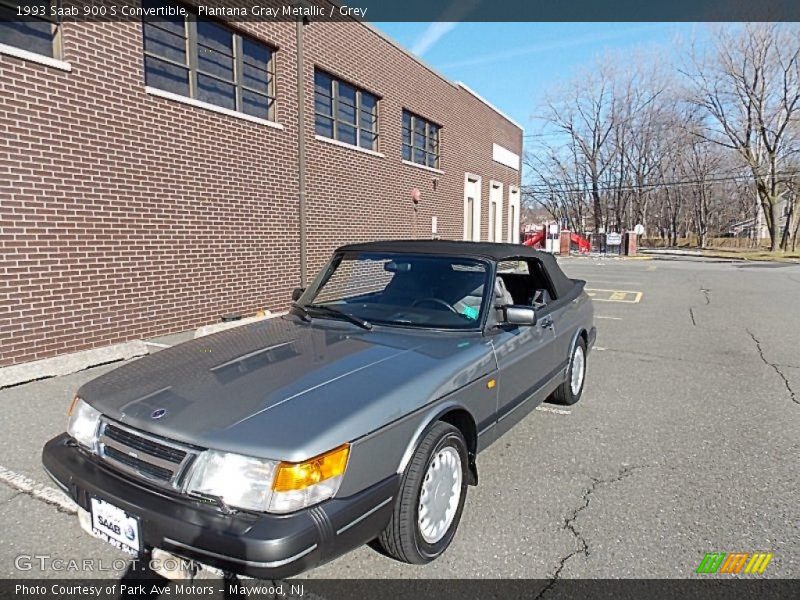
x: 301, y: 149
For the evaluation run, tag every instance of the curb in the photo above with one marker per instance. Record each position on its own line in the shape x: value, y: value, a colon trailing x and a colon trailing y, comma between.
x: 79, y: 361
x: 217, y: 327
x: 656, y: 253
x: 70, y: 363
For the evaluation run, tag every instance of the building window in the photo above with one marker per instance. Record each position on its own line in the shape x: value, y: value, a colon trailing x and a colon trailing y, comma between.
x: 495, y: 212
x: 420, y: 140
x: 209, y: 62
x: 37, y: 33
x: 344, y: 112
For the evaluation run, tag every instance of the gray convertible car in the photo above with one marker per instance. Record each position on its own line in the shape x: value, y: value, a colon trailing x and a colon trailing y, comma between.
x: 357, y: 417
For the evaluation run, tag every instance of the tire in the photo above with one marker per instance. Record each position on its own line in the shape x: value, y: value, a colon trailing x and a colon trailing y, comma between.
x: 404, y: 539
x: 564, y: 393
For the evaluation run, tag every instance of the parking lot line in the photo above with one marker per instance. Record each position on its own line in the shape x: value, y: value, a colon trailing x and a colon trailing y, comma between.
x: 555, y: 411
x: 609, y: 318
x: 616, y: 282
x: 622, y: 296
x: 45, y: 493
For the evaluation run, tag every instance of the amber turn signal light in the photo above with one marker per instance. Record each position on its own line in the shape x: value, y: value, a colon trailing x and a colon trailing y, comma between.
x: 298, y: 476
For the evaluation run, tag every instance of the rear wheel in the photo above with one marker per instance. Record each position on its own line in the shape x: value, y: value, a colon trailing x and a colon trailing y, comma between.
x: 570, y: 391
x: 431, y: 498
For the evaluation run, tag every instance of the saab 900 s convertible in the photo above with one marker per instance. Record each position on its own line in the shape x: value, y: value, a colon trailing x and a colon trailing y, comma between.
x: 357, y: 417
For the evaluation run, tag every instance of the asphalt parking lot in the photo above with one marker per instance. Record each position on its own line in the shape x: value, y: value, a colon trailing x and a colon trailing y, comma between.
x: 686, y: 441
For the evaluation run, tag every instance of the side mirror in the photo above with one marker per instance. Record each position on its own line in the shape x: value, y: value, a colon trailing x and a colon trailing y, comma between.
x: 397, y: 267
x: 520, y: 315
x: 296, y: 293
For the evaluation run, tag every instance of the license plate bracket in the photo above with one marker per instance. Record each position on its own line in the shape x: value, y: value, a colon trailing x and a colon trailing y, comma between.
x: 115, y: 526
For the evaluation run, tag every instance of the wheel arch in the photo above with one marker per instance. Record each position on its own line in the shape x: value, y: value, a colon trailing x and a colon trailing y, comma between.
x: 579, y: 333
x: 460, y: 418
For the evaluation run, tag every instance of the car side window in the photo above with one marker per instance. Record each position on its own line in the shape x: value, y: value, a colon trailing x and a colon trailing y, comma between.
x: 526, y: 282
x: 543, y: 292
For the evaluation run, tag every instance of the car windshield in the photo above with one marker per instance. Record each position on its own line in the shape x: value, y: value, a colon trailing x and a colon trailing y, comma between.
x: 402, y: 290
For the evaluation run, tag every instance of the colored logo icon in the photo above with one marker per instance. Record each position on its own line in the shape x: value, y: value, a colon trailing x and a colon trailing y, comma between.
x: 734, y: 563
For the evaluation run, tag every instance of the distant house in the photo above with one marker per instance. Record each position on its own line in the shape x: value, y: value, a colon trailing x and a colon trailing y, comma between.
x: 757, y: 227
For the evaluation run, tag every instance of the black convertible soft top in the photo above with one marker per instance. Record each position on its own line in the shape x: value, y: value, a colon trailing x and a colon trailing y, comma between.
x: 492, y: 251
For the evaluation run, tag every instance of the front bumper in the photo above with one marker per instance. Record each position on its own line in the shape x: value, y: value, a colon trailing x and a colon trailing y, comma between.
x: 257, y: 545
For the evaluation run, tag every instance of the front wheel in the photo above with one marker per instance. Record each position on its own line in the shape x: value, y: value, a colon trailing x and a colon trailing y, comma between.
x: 431, y: 498
x: 570, y: 391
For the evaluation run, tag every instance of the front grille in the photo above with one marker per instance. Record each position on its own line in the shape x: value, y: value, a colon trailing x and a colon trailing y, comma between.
x: 143, y: 455
x: 145, y: 445
x: 138, y: 464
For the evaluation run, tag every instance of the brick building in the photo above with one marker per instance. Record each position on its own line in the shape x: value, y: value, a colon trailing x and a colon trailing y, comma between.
x: 149, y: 174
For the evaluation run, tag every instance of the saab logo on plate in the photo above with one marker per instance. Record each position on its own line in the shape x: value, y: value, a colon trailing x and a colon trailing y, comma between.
x: 158, y: 413
x: 732, y: 563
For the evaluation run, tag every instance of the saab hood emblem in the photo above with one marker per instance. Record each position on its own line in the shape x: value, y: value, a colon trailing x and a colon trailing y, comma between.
x: 158, y: 413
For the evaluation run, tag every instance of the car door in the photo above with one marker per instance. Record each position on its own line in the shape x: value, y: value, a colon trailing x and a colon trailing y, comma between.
x: 561, y: 314
x: 525, y: 363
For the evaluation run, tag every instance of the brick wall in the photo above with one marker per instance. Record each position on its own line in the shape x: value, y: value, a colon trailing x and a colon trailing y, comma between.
x: 124, y: 215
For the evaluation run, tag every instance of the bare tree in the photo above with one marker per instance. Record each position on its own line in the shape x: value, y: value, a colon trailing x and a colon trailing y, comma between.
x: 623, y: 144
x: 585, y: 112
x: 749, y: 87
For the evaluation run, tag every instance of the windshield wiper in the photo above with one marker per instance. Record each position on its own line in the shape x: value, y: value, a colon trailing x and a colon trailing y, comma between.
x: 303, y: 312
x: 332, y: 312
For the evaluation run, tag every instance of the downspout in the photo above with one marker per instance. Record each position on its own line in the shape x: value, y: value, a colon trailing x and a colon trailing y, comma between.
x: 301, y: 150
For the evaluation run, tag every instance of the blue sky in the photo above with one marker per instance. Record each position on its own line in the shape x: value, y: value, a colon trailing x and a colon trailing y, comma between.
x: 513, y: 64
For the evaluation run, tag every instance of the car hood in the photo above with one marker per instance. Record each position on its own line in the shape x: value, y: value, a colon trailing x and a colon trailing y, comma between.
x: 285, y: 389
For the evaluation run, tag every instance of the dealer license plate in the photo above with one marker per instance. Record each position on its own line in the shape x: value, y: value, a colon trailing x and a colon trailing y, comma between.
x: 115, y: 526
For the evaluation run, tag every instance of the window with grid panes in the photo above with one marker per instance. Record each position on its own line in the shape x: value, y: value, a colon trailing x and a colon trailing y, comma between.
x: 36, y: 31
x: 420, y: 140
x: 345, y: 112
x: 207, y: 61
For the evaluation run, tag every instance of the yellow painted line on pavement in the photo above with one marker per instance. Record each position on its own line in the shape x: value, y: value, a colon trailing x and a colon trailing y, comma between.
x: 622, y: 296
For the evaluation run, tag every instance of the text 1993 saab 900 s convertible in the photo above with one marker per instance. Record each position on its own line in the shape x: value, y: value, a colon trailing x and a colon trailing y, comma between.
x: 272, y: 447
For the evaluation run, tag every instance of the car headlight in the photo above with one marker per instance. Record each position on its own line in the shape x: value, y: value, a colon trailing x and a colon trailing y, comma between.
x: 267, y: 486
x: 241, y: 481
x: 83, y: 424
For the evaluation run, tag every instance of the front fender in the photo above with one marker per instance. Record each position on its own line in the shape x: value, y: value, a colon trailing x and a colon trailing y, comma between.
x: 388, y: 450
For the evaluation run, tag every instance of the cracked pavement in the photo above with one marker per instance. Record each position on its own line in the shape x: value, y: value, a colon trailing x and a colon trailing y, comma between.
x: 685, y: 442
x: 775, y: 367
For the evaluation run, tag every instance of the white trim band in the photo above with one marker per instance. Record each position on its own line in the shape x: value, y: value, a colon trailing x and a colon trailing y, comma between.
x: 212, y: 107
x: 504, y: 156
x: 327, y: 140
x: 425, y: 167
x: 34, y: 57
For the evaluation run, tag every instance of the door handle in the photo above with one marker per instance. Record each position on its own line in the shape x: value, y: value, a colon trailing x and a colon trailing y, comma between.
x: 547, y: 322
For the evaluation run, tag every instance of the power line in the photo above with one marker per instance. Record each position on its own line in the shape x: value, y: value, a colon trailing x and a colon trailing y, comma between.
x: 653, y: 126
x: 544, y: 188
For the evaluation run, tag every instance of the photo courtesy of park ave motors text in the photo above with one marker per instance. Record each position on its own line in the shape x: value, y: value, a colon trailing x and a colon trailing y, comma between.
x: 294, y: 292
